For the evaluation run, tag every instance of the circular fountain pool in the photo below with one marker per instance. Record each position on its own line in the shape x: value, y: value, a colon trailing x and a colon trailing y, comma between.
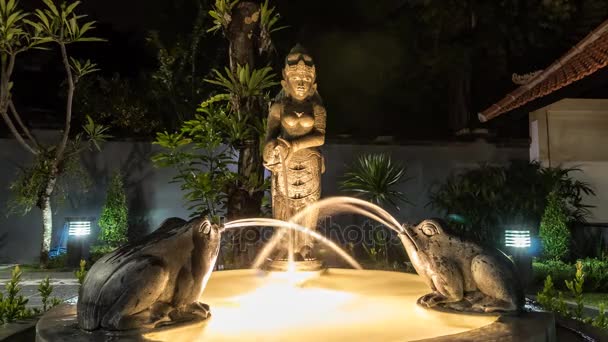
x: 337, y: 305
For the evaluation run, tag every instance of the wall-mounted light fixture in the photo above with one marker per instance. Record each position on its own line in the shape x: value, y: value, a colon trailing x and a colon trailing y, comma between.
x: 517, y: 238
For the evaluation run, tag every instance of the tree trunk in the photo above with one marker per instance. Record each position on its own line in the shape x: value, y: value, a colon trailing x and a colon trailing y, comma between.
x: 47, y: 221
x: 243, y: 201
x: 243, y: 36
x: 47, y: 231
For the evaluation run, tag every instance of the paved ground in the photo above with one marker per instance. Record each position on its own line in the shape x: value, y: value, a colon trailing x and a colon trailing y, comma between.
x: 65, y: 285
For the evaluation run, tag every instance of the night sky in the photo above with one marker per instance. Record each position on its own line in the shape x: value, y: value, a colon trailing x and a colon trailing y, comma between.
x: 369, y: 71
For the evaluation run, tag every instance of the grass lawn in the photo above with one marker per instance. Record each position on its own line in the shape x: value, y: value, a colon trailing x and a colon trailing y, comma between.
x: 591, y: 298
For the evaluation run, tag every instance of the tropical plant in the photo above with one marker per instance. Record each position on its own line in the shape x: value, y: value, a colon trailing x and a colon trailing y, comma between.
x: 554, y: 232
x: 268, y: 21
x: 489, y: 197
x: 21, y: 31
x: 375, y: 178
x: 245, y: 84
x: 113, y: 221
x: 202, y: 164
x: 229, y: 126
x: 221, y: 13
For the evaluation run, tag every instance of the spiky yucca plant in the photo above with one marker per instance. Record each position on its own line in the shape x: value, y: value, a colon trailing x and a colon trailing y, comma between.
x: 375, y: 177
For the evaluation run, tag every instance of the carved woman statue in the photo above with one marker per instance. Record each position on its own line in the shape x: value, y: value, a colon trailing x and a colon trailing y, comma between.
x: 296, y: 129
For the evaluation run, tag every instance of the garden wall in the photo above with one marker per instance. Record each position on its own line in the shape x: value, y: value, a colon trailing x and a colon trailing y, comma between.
x: 572, y: 133
x: 152, y: 198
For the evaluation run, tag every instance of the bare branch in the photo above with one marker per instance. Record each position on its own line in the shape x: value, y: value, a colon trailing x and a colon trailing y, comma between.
x: 24, y: 128
x: 69, y: 101
x: 5, y: 96
x: 15, y: 133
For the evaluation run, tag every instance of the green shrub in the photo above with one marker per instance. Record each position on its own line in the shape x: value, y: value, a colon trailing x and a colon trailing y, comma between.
x: 487, y: 198
x: 559, y: 271
x: 553, y: 300
x: 113, y: 219
x: 554, y: 232
x: 12, y: 304
x: 81, y: 273
x: 58, y: 262
x: 596, y: 273
x: 45, y: 289
x: 576, y: 289
x: 98, y: 251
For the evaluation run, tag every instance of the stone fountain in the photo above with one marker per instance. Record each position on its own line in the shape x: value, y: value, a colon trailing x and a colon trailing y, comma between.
x: 163, y: 288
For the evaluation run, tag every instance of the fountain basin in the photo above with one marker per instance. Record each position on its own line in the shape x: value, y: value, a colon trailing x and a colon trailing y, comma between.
x: 338, y: 305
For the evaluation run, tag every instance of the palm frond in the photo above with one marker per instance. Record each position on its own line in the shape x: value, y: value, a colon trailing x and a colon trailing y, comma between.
x: 375, y: 178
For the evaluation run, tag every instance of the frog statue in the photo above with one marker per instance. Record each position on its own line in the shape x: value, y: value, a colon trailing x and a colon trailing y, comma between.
x: 154, y: 282
x: 463, y: 275
x: 295, y: 131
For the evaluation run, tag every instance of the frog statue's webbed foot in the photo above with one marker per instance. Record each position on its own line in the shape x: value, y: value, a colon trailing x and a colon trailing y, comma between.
x: 430, y: 300
x: 196, y: 311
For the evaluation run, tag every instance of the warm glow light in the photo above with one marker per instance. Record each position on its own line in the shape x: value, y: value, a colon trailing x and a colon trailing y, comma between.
x: 278, y: 305
x: 338, y: 305
x: 291, y: 276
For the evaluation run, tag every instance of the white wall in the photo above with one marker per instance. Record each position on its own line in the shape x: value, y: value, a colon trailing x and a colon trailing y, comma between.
x: 152, y: 198
x: 574, y: 133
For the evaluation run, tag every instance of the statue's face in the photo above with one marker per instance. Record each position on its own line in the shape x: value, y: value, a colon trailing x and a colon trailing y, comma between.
x: 300, y: 86
x: 299, y: 76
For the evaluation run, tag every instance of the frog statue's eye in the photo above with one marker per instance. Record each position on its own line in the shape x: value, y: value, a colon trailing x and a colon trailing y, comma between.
x: 429, y: 229
x: 205, y: 227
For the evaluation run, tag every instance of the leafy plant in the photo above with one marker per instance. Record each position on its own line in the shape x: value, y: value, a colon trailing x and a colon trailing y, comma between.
x: 221, y: 13
x: 45, y: 289
x: 558, y: 270
x: 205, y: 191
x: 546, y: 296
x: 244, y: 83
x: 553, y: 300
x: 596, y: 273
x: 374, y: 177
x: 576, y: 289
x: 601, y: 321
x: 98, y: 251
x: 268, y: 21
x: 81, y: 272
x: 12, y: 304
x: 489, y: 197
x: 554, y: 232
x: 58, y: 261
x: 114, y: 215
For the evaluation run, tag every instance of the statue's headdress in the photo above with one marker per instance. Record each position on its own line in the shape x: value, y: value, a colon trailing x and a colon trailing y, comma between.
x: 298, y: 61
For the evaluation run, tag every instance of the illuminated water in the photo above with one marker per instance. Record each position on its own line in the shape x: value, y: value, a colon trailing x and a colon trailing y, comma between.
x: 341, y: 305
x: 327, y: 207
